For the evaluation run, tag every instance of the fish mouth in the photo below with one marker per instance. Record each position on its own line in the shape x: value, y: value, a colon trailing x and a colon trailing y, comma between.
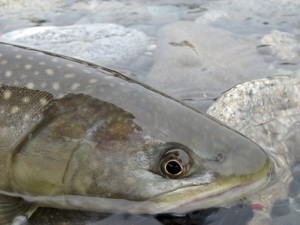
x: 221, y: 192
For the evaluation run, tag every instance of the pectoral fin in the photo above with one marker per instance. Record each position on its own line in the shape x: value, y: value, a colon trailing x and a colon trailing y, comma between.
x: 11, y: 207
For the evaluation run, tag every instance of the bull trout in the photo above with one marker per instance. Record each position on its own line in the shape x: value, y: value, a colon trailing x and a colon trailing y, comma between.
x: 75, y: 135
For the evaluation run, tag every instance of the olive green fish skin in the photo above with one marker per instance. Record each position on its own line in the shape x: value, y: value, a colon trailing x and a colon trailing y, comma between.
x: 94, y: 136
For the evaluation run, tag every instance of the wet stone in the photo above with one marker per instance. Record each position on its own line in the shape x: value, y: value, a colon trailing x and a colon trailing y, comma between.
x: 282, y: 45
x: 280, y: 208
x: 100, y: 43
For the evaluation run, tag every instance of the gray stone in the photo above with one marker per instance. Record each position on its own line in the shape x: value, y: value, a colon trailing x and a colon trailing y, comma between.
x: 105, y: 44
x: 28, y: 9
x: 267, y: 112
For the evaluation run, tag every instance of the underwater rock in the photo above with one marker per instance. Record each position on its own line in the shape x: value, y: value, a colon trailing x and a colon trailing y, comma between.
x: 283, y: 46
x: 28, y: 9
x: 196, y: 62
x: 105, y: 44
x: 212, y: 15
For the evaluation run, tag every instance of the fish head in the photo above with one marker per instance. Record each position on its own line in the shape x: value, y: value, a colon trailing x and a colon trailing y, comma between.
x: 104, y: 142
x: 109, y: 157
x: 196, y: 163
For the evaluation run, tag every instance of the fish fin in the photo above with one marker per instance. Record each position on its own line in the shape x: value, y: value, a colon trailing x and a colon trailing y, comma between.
x: 11, y: 207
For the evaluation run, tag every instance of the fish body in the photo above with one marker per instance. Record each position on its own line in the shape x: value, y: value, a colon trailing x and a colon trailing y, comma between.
x: 76, y: 135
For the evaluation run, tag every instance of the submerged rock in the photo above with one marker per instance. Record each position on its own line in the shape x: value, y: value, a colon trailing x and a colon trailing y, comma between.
x: 105, y: 44
x: 283, y: 46
x: 267, y: 112
x: 197, y: 62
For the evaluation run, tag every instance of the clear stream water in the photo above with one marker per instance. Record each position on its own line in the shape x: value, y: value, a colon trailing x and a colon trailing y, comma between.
x: 236, y: 41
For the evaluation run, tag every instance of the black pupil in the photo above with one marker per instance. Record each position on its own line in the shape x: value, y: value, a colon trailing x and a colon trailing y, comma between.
x: 173, y: 167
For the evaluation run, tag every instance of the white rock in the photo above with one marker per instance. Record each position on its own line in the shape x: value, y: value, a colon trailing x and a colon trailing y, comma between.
x: 282, y: 45
x: 105, y: 44
x: 212, y: 15
x: 27, y: 9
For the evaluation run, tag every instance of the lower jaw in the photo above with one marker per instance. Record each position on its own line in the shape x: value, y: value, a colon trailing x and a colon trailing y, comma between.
x: 219, y: 198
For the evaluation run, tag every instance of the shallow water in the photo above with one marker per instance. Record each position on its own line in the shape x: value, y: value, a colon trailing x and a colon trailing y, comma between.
x: 209, y: 45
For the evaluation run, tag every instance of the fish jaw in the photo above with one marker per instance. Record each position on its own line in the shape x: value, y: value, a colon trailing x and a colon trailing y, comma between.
x: 223, y: 191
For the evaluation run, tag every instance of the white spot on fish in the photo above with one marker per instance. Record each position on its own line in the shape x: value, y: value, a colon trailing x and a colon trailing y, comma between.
x: 8, y: 73
x: 43, y: 84
x: 7, y: 94
x: 14, y: 109
x: 28, y: 66
x: 43, y: 101
x: 70, y: 65
x: 30, y: 85
x: 30, y: 58
x: 69, y: 75
x: 56, y: 86
x: 54, y: 60
x: 49, y: 72
x: 1, y: 55
x: 3, y: 62
x: 26, y: 117
x: 36, y: 73
x: 16, y: 83
x: 86, y: 71
x: 108, y: 77
x: 19, y: 56
x: 60, y: 96
x: 26, y: 99
x: 92, y: 81
x: 42, y: 63
x: 75, y: 86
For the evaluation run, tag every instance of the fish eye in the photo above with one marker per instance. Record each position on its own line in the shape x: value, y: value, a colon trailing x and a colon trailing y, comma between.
x: 175, y: 163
